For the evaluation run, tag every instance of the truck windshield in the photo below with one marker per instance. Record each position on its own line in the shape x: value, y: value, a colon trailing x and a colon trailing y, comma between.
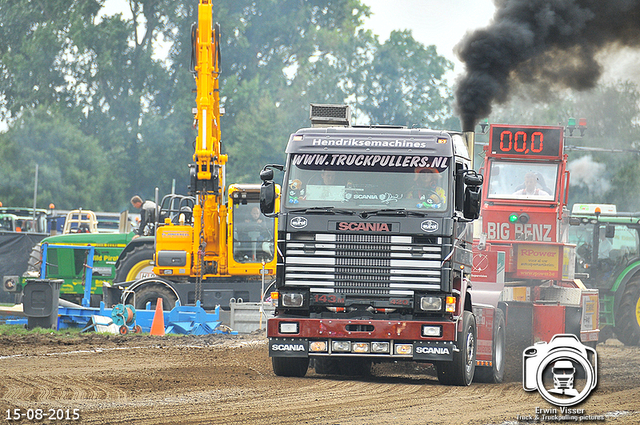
x: 423, y: 186
x: 511, y: 180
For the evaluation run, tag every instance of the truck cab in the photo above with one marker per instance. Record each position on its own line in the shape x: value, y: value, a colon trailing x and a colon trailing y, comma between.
x: 374, y: 248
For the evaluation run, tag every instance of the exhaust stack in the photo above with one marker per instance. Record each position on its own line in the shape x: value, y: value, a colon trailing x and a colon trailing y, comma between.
x: 470, y: 140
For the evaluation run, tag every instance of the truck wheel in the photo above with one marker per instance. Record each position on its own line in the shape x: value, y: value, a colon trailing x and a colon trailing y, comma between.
x: 136, y: 264
x: 628, y: 314
x: 460, y: 370
x: 494, y: 373
x: 150, y: 294
x: 290, y: 366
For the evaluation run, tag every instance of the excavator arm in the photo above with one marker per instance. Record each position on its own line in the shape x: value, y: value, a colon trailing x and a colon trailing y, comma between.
x: 207, y: 172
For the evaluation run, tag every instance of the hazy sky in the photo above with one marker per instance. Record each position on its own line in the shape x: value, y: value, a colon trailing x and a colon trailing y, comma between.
x: 442, y: 23
x: 433, y: 22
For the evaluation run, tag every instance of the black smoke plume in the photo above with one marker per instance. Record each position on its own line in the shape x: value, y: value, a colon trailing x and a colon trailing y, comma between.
x: 549, y: 43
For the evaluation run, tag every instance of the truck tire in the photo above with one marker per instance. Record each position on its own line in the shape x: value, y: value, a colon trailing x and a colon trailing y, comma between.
x: 150, y: 294
x: 135, y: 262
x: 495, y: 372
x: 628, y: 313
x: 461, y: 369
x: 290, y: 366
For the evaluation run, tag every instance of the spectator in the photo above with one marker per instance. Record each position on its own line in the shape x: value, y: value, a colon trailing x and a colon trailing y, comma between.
x: 148, y: 210
x: 604, y: 246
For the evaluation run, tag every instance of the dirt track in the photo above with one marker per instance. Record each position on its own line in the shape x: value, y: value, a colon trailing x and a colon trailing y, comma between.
x: 228, y: 379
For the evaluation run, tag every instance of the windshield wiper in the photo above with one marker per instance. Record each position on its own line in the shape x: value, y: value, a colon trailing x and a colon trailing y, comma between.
x: 322, y: 210
x: 393, y: 211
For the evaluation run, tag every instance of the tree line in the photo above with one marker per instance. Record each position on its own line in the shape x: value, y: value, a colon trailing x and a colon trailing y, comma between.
x: 103, y: 103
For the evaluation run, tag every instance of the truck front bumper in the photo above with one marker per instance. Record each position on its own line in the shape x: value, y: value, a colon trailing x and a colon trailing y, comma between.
x: 433, y: 340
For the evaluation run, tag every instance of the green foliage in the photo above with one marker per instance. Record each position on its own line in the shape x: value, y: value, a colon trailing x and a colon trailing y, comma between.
x: 73, y: 171
x: 104, y: 107
x: 405, y: 84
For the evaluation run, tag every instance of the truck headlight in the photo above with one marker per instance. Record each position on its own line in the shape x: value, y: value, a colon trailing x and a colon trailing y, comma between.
x: 318, y: 346
x: 288, y: 327
x: 431, y: 303
x: 380, y: 347
x: 291, y: 299
x: 403, y: 349
x: 360, y: 347
x: 341, y: 346
x: 433, y: 331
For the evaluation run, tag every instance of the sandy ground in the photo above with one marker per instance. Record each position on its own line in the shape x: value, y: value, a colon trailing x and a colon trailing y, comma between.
x: 222, y: 379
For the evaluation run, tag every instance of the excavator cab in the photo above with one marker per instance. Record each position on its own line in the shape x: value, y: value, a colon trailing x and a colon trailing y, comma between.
x: 251, y: 235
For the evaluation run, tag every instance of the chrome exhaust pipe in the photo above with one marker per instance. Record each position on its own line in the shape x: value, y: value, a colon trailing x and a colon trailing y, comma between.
x: 470, y: 140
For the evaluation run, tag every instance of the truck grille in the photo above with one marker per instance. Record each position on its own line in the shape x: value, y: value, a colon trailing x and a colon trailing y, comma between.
x: 362, y: 264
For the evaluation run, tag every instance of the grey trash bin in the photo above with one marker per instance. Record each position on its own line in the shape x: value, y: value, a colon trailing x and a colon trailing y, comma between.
x: 40, y: 303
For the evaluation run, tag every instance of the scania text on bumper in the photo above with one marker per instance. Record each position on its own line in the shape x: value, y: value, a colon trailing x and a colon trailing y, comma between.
x: 343, y: 337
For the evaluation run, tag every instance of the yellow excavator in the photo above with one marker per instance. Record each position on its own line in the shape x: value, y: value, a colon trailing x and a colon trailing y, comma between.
x: 213, y: 246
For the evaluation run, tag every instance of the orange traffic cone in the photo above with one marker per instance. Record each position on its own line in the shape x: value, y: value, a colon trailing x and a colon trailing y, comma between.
x: 157, y: 326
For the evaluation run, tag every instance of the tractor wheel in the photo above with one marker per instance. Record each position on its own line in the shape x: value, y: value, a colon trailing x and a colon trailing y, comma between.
x: 290, y: 366
x: 461, y: 369
x: 35, y: 259
x: 136, y: 264
x: 149, y: 293
x: 628, y: 314
x: 495, y: 373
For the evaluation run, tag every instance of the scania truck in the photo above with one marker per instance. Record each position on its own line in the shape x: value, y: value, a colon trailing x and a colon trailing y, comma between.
x: 374, y: 249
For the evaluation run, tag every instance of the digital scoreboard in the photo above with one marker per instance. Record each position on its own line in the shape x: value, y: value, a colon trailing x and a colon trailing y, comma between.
x: 526, y: 141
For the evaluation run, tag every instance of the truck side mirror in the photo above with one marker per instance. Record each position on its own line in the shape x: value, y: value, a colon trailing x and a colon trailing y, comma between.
x: 266, y: 174
x: 268, y: 189
x: 267, y: 196
x: 472, y: 200
x: 473, y: 179
x: 472, y: 194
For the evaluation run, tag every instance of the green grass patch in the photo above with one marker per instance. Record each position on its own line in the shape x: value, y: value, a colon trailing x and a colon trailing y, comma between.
x: 9, y: 330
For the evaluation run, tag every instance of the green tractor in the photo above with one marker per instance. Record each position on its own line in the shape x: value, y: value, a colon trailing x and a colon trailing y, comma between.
x: 608, y: 259
x: 67, y: 262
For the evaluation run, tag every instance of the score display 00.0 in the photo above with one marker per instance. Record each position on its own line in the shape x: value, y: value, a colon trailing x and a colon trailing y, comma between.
x: 526, y: 141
